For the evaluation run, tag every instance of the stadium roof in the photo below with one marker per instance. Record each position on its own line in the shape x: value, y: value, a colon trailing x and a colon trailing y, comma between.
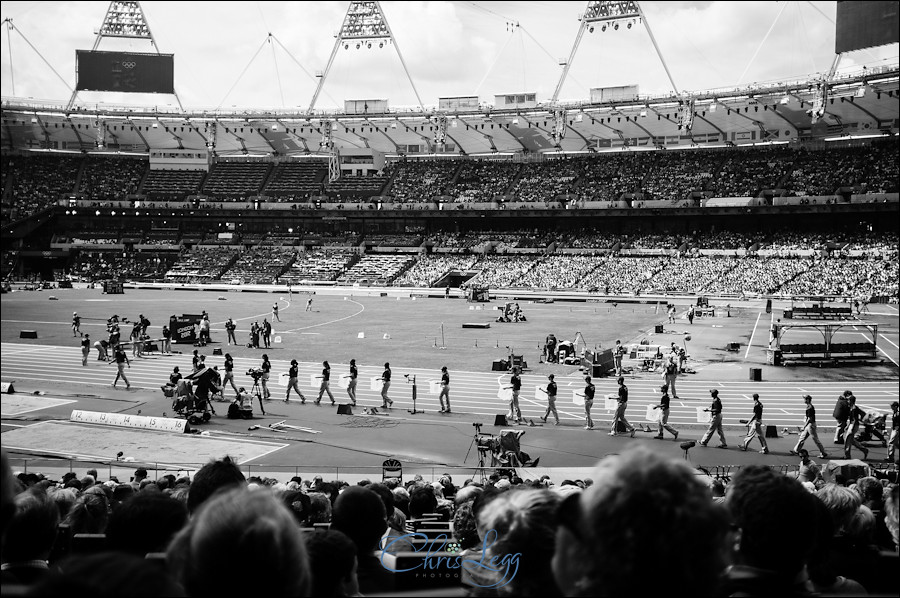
x: 860, y: 101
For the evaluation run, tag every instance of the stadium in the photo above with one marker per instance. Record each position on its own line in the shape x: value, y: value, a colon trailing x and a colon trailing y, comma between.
x: 457, y: 270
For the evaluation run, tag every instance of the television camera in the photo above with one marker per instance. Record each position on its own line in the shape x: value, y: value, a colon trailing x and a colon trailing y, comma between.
x: 255, y: 373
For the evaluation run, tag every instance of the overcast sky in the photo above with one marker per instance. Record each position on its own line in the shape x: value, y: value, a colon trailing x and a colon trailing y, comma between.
x: 224, y: 57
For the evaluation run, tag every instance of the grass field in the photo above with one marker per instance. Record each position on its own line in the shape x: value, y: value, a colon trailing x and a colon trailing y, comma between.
x: 48, y: 372
x: 330, y: 331
x: 427, y: 332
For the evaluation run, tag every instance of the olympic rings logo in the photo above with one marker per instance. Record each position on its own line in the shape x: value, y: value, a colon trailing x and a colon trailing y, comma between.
x: 129, y: 64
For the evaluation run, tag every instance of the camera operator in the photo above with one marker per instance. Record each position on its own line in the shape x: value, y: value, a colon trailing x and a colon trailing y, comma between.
x: 266, y: 367
x: 206, y: 386
x: 292, y: 382
x: 230, y: 327
x: 244, y: 403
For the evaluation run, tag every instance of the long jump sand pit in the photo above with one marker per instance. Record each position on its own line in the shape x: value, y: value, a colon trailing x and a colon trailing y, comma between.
x: 18, y: 404
x: 81, y: 441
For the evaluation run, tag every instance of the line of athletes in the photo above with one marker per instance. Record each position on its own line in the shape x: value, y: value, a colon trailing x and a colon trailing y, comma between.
x: 263, y: 372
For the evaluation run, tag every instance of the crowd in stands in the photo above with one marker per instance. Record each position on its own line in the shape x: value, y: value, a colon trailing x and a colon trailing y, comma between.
x: 420, y: 180
x: 380, y: 268
x: 483, y: 181
x: 546, y: 180
x: 430, y: 268
x: 105, y: 179
x: 36, y: 182
x: 31, y: 183
x: 202, y: 265
x: 838, y: 263
x: 319, y: 265
x: 590, y: 537
x: 91, y: 266
x: 262, y: 265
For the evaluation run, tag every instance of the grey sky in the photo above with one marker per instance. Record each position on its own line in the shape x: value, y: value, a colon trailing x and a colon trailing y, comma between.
x: 451, y: 49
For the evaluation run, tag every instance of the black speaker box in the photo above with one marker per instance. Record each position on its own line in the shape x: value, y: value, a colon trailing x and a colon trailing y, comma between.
x: 756, y: 374
x: 500, y: 420
x: 344, y: 409
x: 217, y: 351
x: 771, y: 432
x: 658, y: 329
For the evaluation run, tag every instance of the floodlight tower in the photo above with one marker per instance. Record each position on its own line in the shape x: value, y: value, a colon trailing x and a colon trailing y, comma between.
x: 604, y: 14
x: 364, y: 24
x: 334, y: 157
x: 124, y: 19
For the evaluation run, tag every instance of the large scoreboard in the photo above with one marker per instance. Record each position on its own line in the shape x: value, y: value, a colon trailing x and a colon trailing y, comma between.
x: 125, y: 71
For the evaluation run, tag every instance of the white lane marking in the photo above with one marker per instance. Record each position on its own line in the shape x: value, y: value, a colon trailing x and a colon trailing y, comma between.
x: 750, y: 344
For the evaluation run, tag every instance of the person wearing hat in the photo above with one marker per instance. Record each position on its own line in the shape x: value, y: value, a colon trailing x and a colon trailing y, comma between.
x: 755, y: 427
x: 292, y: 382
x: 809, y: 430
x: 715, y: 421
x: 445, y: 390
x: 351, y: 385
x: 76, y: 324
x: 550, y: 391
x: 893, y: 440
x: 325, y: 387
x: 620, y: 410
x: 85, y: 348
x: 664, y: 413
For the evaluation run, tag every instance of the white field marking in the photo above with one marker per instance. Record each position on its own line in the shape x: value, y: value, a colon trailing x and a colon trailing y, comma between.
x: 750, y: 344
x: 887, y: 339
x: 879, y: 348
x: 17, y: 425
x: 362, y: 309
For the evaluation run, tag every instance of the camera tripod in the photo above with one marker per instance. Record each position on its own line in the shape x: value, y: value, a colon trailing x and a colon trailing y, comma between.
x: 479, y: 449
x: 256, y: 390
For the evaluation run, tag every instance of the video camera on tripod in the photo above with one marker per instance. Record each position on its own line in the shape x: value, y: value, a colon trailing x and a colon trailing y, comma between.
x: 255, y: 373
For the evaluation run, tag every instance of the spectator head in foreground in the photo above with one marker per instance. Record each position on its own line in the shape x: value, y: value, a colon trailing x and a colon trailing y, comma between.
x: 254, y: 532
x: 7, y: 492
x: 891, y: 508
x: 764, y: 505
x: 359, y: 513
x: 212, y: 477
x: 622, y: 526
x: 29, y: 537
x: 524, y: 524
x: 332, y: 559
x: 146, y: 522
x: 108, y: 575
